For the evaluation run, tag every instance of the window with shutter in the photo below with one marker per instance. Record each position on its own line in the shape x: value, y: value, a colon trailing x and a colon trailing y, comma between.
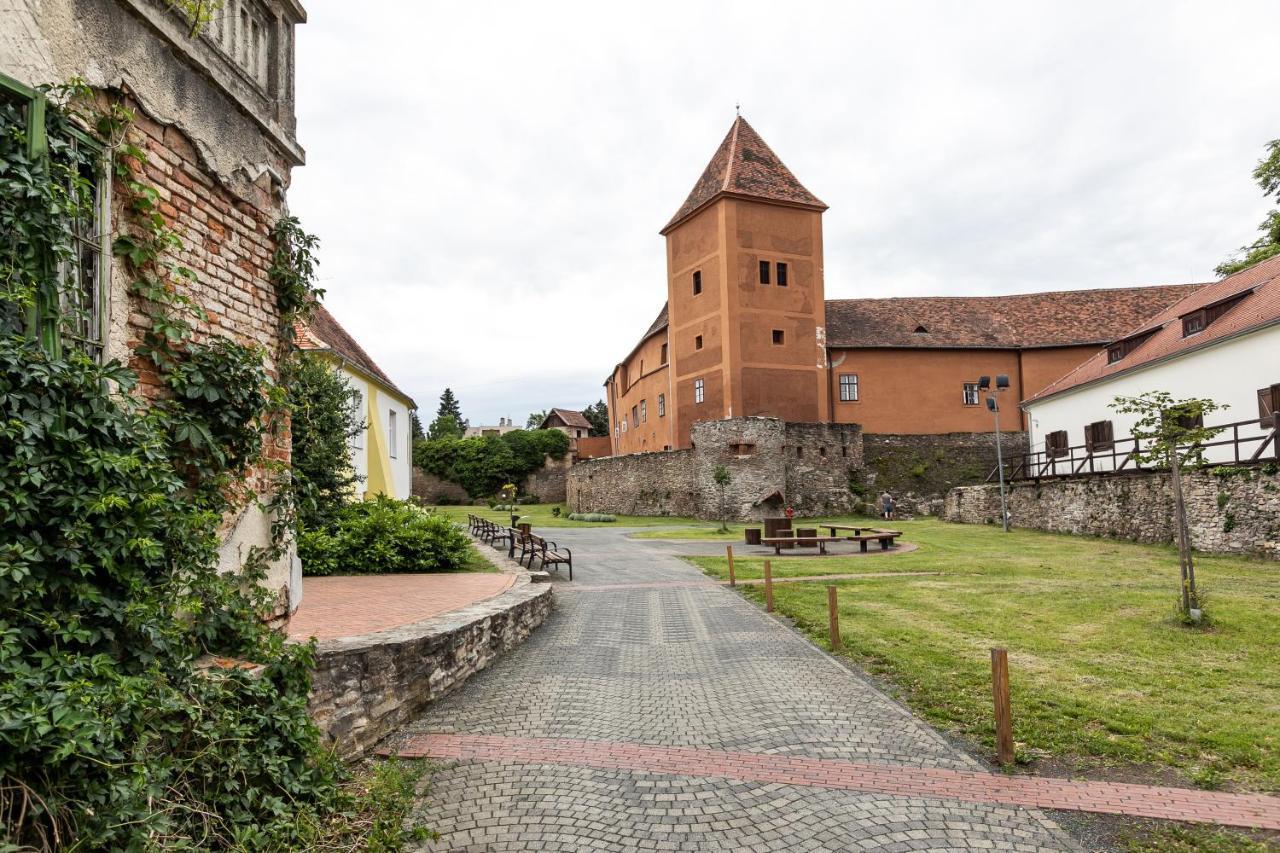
x: 1055, y: 444
x: 1268, y: 405
x: 1098, y: 436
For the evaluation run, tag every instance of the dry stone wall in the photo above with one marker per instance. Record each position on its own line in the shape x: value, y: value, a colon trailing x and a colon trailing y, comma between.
x: 771, y: 464
x: 919, y: 470
x: 1229, y: 510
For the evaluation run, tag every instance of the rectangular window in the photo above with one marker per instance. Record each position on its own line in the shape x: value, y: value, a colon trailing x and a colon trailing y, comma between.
x: 697, y: 342
x: 764, y: 272
x: 664, y: 355
x: 1055, y: 444
x: 697, y: 282
x: 624, y: 424
x: 1268, y: 405
x: 1193, y: 323
x: 1099, y: 436
x: 635, y: 415
x: 742, y: 449
x: 391, y: 433
x: 971, y: 393
x: 782, y: 274
x: 662, y: 405
x: 778, y: 337
x: 644, y: 412
x: 697, y: 391
x: 848, y: 387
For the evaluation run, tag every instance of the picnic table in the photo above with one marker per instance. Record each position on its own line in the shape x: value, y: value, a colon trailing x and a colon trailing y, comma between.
x: 780, y: 542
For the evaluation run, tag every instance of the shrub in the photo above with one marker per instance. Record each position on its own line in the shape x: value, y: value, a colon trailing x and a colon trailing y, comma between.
x: 325, y: 418
x: 590, y: 516
x: 383, y: 536
x: 484, y: 464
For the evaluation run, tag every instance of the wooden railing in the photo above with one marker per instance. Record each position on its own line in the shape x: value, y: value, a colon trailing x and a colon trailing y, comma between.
x: 1239, y: 443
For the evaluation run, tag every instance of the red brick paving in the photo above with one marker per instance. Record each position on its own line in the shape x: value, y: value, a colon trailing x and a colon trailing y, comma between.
x: 348, y: 606
x: 1246, y: 810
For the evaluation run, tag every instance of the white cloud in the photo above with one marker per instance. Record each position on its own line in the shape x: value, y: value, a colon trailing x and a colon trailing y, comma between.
x: 488, y: 178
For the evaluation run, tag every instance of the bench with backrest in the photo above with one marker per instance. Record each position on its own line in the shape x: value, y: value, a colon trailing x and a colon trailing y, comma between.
x: 549, y: 554
x: 520, y: 539
x: 780, y: 542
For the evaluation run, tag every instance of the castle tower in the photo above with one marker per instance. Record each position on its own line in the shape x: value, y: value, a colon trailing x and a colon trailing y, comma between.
x: 745, y: 292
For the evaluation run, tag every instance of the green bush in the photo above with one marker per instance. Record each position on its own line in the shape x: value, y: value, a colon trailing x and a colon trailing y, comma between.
x: 484, y: 464
x: 384, y: 536
x: 590, y: 516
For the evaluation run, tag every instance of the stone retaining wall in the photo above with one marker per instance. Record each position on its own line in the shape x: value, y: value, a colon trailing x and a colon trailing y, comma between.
x: 771, y: 464
x: 1229, y: 510
x: 366, y: 687
x: 919, y: 470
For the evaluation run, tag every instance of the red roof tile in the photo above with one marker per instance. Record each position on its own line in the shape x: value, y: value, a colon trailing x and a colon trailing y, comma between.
x: 1260, y: 308
x: 324, y: 333
x: 744, y: 165
x: 568, y: 417
x: 1056, y: 318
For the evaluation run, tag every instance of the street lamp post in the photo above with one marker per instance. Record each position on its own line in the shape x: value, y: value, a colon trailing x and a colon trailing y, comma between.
x: 1002, y: 384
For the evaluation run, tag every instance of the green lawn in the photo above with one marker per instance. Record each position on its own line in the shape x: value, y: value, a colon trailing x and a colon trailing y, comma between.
x: 1100, y: 669
x: 539, y: 515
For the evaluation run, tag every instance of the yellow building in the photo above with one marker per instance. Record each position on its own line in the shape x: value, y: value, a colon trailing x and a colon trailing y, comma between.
x: 382, y: 454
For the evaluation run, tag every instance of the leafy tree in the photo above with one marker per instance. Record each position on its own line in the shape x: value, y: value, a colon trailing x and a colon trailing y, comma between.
x: 597, y: 414
x: 445, y: 426
x: 531, y: 448
x: 535, y: 419
x: 449, y: 406
x: 325, y: 411
x: 722, y: 479
x: 1171, y: 433
x: 483, y: 464
x: 1267, y: 174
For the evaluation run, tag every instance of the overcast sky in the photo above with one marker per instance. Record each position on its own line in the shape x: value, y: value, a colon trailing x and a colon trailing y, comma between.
x: 488, y: 179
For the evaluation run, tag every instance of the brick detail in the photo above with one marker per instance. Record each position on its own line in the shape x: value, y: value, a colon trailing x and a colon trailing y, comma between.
x: 1246, y: 810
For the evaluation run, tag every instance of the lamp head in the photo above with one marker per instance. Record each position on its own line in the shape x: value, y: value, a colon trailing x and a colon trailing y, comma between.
x: 991, y: 404
x: 984, y: 382
x: 1002, y: 382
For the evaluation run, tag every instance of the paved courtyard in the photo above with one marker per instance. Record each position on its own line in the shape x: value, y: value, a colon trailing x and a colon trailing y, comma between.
x: 657, y: 710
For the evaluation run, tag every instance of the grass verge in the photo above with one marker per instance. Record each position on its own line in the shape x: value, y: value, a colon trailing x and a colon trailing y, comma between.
x: 540, y: 515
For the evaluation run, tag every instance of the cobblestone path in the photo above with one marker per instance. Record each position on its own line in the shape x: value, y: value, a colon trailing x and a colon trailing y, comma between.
x: 671, y: 660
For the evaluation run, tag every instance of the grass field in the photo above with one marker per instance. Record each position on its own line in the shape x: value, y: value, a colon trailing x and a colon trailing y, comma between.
x: 539, y: 515
x: 1101, y: 671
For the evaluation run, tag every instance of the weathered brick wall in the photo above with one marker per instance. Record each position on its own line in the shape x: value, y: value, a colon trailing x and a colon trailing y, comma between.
x: 919, y: 470
x: 1229, y: 510
x: 771, y: 464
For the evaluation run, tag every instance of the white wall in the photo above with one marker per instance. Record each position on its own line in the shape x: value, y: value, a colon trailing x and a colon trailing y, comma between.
x: 360, y: 447
x: 1229, y: 373
x: 402, y: 451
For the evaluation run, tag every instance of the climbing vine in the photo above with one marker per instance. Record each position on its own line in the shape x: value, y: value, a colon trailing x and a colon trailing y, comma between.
x: 127, y: 721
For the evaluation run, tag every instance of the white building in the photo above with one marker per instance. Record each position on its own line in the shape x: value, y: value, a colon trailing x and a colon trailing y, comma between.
x: 503, y: 427
x: 382, y: 455
x: 1221, y: 343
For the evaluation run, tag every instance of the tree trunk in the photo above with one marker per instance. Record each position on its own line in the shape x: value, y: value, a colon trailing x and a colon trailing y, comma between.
x: 1185, y: 566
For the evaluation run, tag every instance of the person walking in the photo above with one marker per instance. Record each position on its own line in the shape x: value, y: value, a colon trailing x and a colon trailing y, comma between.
x: 886, y: 506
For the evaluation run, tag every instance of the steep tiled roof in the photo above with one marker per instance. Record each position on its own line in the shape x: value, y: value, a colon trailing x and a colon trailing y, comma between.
x: 1260, y: 308
x: 744, y: 165
x: 568, y: 417
x: 324, y: 333
x: 1057, y: 318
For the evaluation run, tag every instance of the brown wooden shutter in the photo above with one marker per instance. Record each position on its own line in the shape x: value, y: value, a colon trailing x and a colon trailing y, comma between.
x: 1089, y: 431
x: 1268, y: 405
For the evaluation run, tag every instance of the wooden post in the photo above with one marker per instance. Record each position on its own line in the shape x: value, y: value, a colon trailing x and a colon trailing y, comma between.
x: 1004, y: 717
x: 728, y: 550
x: 833, y: 617
x: 768, y: 587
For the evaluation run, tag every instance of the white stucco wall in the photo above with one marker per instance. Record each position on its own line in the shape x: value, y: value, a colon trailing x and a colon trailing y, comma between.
x: 401, y: 449
x: 377, y: 403
x: 1229, y: 373
x: 360, y: 447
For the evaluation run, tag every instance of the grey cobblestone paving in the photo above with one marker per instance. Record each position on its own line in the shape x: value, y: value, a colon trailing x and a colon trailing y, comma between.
x: 689, y: 667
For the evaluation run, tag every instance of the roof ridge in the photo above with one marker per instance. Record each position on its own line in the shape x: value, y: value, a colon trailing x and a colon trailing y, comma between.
x: 1025, y: 293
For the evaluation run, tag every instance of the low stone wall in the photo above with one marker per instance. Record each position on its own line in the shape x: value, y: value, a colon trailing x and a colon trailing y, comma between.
x: 771, y: 464
x: 547, y: 484
x: 919, y: 470
x: 366, y: 687
x: 431, y: 488
x: 1229, y: 510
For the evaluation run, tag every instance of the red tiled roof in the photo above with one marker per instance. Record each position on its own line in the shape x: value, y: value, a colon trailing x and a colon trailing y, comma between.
x: 744, y: 165
x: 1258, y: 309
x: 1056, y: 318
x: 324, y: 333
x: 568, y: 417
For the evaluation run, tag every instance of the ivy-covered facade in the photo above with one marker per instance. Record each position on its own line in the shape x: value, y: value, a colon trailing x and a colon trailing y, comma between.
x: 208, y: 91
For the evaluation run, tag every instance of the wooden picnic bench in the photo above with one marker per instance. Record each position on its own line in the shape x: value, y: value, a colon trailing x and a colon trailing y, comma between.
x: 780, y: 542
x: 884, y: 537
x: 549, y: 553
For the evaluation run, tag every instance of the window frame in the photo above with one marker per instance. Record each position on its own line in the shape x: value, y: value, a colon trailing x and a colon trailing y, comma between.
x: 1099, y: 436
x: 699, y: 391
x: 392, y: 437
x: 764, y: 272
x: 779, y: 338
x: 697, y: 282
x: 1055, y: 448
x: 780, y: 270
x: 974, y: 399
x: 644, y: 411
x: 845, y: 386
x: 697, y: 343
x: 662, y: 405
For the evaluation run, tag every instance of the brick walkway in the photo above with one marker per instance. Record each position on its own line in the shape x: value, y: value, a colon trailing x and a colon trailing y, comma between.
x: 1247, y: 810
x: 348, y: 606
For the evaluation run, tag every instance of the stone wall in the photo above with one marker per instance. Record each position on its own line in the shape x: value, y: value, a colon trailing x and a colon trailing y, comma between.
x: 771, y: 464
x: 919, y: 470
x: 431, y: 488
x: 547, y: 484
x: 366, y: 687
x: 1230, y: 510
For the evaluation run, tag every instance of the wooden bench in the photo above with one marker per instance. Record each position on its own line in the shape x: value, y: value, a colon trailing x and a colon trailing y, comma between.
x: 522, y: 539
x: 780, y: 542
x: 884, y: 537
x: 549, y: 553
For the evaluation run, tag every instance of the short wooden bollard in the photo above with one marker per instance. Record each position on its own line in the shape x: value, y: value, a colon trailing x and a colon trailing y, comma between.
x: 833, y: 617
x: 1004, y: 716
x: 768, y: 587
x: 728, y: 550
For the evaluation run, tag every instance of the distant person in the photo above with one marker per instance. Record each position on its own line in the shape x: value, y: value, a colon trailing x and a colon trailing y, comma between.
x: 886, y: 506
